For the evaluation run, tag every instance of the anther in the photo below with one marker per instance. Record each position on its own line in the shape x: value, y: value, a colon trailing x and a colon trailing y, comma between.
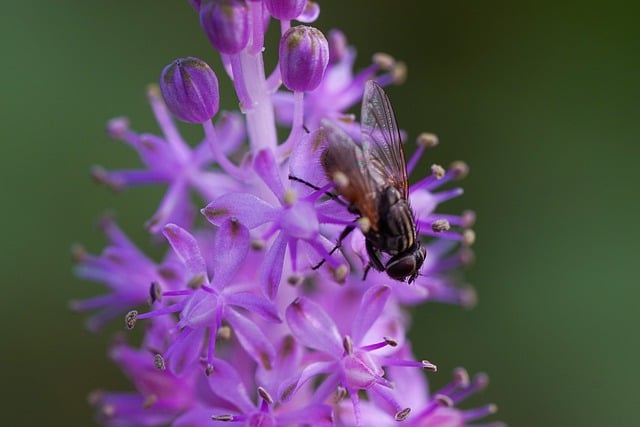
x: 257, y: 244
x: 290, y: 197
x: 429, y: 366
x: 440, y: 225
x: 339, y: 394
x: 130, y: 319
x: 117, y: 127
x: 347, y: 344
x: 224, y: 332
x: 295, y: 279
x: 158, y: 362
x: 155, y: 292
x: 264, y: 394
x: 467, y: 257
x: 149, y: 401
x: 226, y: 417
x: 461, y: 377
x: 403, y: 414
x: 340, y: 273
x: 460, y: 169
x: 364, y: 224
x: 443, y: 400
x: 383, y: 60
x: 468, y: 218
x: 196, y: 281
x: 468, y: 237
x: 427, y: 140
x: 390, y: 342
x: 108, y: 410
x: 399, y: 73
x: 208, y: 370
x: 437, y: 171
x: 340, y: 180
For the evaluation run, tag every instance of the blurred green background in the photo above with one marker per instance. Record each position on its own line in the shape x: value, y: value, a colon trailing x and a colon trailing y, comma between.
x: 541, y: 98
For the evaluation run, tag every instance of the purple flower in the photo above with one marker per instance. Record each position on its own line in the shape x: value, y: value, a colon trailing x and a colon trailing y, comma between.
x: 258, y: 314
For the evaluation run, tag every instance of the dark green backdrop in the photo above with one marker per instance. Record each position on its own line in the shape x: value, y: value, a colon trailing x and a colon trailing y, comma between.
x: 541, y: 98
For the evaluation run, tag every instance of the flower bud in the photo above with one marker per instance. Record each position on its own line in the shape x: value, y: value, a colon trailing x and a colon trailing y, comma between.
x: 304, y: 55
x: 190, y: 90
x: 285, y: 9
x: 226, y: 24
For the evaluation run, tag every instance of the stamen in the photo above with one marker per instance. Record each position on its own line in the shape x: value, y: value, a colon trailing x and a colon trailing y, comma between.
x: 364, y: 224
x: 437, y: 171
x: 383, y: 60
x: 347, y: 344
x: 481, y: 412
x: 340, y: 180
x: 196, y: 281
x: 78, y: 253
x: 339, y: 274
x: 224, y: 332
x: 429, y: 366
x: 399, y: 73
x: 339, y: 394
x: 155, y: 292
x: 468, y: 237
x: 427, y: 140
x: 443, y: 400
x: 149, y: 401
x: 258, y: 244
x: 290, y: 197
x: 130, y: 319
x: 391, y: 342
x: 403, y: 414
x: 226, y: 417
x: 159, y: 363
x: 460, y: 169
x: 440, y: 225
x: 264, y: 394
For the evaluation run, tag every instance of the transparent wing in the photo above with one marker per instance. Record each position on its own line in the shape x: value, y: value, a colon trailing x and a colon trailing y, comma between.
x: 381, y: 141
x: 343, y: 155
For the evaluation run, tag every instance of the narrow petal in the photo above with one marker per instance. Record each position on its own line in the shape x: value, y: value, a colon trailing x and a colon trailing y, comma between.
x: 271, y: 269
x: 373, y: 302
x: 187, y: 249
x: 289, y: 386
x: 230, y: 249
x: 312, y: 327
x: 226, y: 383
x: 250, y: 210
x: 255, y: 304
x: 266, y: 167
x: 251, y: 338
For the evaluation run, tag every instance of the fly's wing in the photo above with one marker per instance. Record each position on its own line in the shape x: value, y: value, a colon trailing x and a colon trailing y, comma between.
x: 343, y: 156
x: 381, y: 139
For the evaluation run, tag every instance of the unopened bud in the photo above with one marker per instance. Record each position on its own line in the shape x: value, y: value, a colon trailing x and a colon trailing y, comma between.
x: 190, y: 90
x: 304, y: 55
x: 226, y: 24
x: 285, y: 9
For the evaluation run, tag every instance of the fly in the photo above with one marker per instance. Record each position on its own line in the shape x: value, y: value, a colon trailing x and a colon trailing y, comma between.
x: 371, y: 176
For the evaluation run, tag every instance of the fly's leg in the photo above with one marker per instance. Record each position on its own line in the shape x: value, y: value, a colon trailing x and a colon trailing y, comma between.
x: 347, y: 230
x: 374, y: 259
x: 331, y: 195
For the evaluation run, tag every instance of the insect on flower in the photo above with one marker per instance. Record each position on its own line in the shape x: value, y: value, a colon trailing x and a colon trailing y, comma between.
x: 372, y: 177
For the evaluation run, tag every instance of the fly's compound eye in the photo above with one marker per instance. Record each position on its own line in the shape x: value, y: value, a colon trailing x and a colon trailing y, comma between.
x: 406, y: 264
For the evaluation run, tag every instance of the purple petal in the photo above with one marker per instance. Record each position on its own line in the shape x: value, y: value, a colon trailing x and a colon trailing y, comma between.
x: 187, y: 249
x: 322, y: 416
x: 226, y: 383
x: 230, y: 249
x: 250, y: 210
x: 255, y: 304
x: 252, y: 339
x: 313, y: 328
x: 271, y: 269
x: 373, y: 302
x: 266, y: 167
x: 289, y: 386
x: 184, y: 352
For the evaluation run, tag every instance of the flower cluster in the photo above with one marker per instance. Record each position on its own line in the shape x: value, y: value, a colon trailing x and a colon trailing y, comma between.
x: 258, y: 314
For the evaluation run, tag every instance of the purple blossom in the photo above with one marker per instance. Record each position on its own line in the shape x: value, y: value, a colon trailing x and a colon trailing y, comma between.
x: 258, y: 315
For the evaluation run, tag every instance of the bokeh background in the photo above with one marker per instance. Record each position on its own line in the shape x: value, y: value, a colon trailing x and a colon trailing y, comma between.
x: 541, y: 99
